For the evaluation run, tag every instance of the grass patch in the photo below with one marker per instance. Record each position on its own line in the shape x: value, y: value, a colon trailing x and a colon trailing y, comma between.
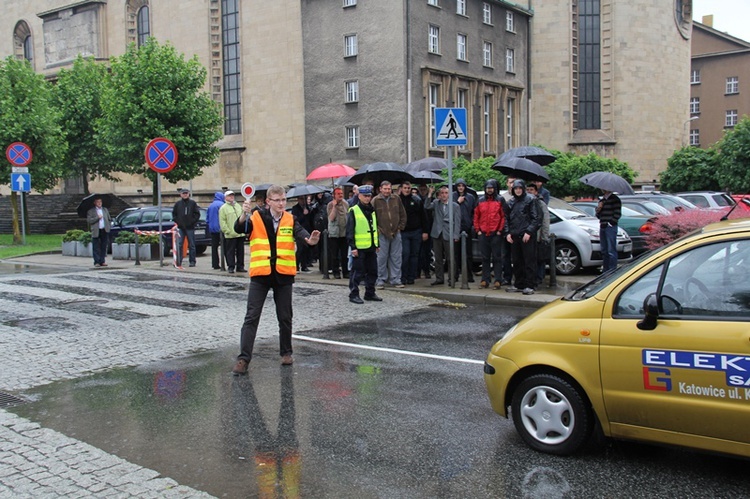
x: 35, y: 243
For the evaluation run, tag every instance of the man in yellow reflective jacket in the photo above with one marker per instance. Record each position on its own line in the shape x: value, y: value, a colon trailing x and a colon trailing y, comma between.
x: 273, y: 233
x: 362, y: 237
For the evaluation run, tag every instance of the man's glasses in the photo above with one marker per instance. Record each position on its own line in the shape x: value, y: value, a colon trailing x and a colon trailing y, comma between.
x: 280, y: 200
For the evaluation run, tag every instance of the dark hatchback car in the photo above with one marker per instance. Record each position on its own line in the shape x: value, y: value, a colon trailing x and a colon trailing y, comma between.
x: 145, y: 218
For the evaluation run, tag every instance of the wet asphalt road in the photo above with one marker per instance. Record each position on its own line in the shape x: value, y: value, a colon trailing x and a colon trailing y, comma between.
x: 345, y: 421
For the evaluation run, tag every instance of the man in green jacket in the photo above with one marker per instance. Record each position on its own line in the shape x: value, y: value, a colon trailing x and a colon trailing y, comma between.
x: 234, y: 241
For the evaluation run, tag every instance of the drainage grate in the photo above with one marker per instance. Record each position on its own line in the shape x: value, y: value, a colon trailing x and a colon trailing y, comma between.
x: 8, y: 400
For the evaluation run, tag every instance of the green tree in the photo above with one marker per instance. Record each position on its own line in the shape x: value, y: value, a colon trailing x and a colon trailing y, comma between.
x: 569, y: 167
x: 77, y: 96
x: 476, y: 173
x: 27, y: 115
x: 154, y: 92
x: 691, y: 169
x: 734, y: 158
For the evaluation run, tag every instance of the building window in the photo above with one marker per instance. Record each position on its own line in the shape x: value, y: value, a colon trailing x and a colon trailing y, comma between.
x: 510, y: 22
x: 731, y: 119
x: 461, y: 47
x: 350, y: 45
x: 434, y: 101
x: 733, y: 85
x: 461, y: 7
x: 434, y: 39
x: 695, y: 76
x: 510, y: 60
x: 143, y: 27
x: 350, y: 3
x: 432, y: 2
x: 695, y: 138
x: 28, y: 49
x: 230, y: 37
x: 462, y: 101
x: 352, y: 137
x: 695, y: 105
x: 486, y: 13
x: 352, y: 91
x: 589, y: 65
x: 510, y: 123
x: 487, y: 54
x: 487, y: 122
x: 23, y: 42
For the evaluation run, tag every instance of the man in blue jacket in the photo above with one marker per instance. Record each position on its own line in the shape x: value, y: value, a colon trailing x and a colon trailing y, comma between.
x: 212, y: 220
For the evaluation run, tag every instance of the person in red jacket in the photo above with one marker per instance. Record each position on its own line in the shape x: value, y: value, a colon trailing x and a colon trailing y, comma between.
x: 489, y: 219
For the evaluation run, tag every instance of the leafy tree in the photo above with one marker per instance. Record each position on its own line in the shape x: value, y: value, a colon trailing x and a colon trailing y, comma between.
x: 691, y: 169
x: 77, y: 96
x: 568, y: 168
x: 154, y: 92
x: 734, y: 158
x: 475, y: 173
x: 26, y: 115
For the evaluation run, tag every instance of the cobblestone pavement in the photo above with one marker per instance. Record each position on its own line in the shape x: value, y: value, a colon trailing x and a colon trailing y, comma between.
x: 67, y: 325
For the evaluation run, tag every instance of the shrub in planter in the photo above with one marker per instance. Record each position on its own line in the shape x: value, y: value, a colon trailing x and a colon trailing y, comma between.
x: 151, y: 239
x: 84, y: 238
x: 667, y: 228
x: 125, y: 237
x: 72, y: 235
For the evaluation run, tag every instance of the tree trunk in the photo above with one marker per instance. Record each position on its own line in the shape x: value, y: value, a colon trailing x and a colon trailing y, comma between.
x: 16, y: 225
x: 155, y: 192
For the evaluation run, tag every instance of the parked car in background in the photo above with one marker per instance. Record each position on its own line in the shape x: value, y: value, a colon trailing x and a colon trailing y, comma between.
x: 145, y: 218
x: 637, y: 225
x: 708, y: 199
x: 742, y: 200
x: 645, y: 207
x: 668, y: 201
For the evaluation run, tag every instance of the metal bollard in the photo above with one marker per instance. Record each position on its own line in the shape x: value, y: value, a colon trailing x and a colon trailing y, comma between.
x: 552, y: 262
x: 324, y: 255
x: 137, y: 253
x: 464, y: 266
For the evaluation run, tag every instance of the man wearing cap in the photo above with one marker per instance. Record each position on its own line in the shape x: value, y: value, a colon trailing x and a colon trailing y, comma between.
x: 185, y: 215
x: 234, y: 241
x: 273, y: 233
x: 362, y: 237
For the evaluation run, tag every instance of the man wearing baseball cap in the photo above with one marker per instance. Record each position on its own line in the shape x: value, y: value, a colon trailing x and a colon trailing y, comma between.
x: 185, y: 215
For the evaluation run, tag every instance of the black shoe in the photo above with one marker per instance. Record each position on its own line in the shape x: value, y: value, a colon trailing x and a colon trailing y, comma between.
x: 336, y: 276
x: 356, y: 299
x: 231, y: 271
x: 346, y: 275
x: 373, y: 298
x: 437, y: 283
x: 409, y: 282
x: 241, y: 271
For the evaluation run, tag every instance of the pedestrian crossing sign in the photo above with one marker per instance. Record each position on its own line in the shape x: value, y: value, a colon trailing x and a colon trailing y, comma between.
x: 450, y: 126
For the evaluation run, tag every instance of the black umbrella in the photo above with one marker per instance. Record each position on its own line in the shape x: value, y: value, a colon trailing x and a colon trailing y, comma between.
x: 88, y: 202
x: 521, y: 168
x: 378, y: 172
x: 427, y: 177
x: 304, y: 190
x: 607, y: 181
x: 435, y: 165
x: 535, y: 154
x: 343, y: 181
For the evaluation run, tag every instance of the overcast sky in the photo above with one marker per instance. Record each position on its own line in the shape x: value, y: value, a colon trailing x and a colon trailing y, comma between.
x: 730, y: 16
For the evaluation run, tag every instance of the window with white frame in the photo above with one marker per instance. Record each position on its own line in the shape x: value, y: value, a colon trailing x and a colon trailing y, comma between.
x: 695, y: 105
x: 510, y: 22
x: 486, y: 13
x: 432, y: 2
x: 434, y: 39
x: 733, y: 85
x: 461, y: 7
x: 350, y: 45
x: 510, y: 60
x: 487, y: 122
x: 487, y: 54
x: 434, y: 101
x: 350, y: 3
x: 731, y: 119
x: 695, y: 76
x: 695, y: 137
x: 352, y: 91
x: 461, y: 47
x: 510, y: 123
x: 352, y: 137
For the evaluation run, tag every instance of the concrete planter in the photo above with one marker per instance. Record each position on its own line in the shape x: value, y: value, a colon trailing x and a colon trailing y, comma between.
x: 69, y: 248
x: 122, y: 251
x: 84, y: 249
x: 147, y: 252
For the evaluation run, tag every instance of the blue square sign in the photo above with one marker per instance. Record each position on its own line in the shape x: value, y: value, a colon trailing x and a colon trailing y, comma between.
x: 450, y: 126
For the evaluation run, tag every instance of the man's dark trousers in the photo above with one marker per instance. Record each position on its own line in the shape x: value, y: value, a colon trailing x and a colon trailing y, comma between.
x: 99, y: 246
x: 411, y: 242
x: 256, y: 298
x: 182, y: 234
x: 235, y: 252
x: 215, y: 243
x: 364, y: 266
x: 524, y: 262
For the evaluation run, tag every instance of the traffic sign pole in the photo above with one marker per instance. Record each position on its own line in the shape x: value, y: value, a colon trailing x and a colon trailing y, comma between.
x: 23, y: 221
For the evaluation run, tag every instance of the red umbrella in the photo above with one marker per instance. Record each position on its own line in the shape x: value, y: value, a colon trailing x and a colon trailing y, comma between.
x: 331, y: 170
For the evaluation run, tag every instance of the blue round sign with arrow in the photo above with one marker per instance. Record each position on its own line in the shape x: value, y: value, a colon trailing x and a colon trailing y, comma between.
x: 161, y: 155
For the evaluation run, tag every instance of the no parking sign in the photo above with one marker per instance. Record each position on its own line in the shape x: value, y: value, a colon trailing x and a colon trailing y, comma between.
x: 161, y: 155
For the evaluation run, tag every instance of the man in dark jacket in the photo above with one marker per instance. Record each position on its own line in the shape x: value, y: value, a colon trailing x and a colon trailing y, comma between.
x: 362, y: 237
x: 608, y: 211
x: 414, y: 233
x: 489, y: 220
x: 522, y: 221
x: 214, y: 228
x: 467, y: 203
x: 185, y: 215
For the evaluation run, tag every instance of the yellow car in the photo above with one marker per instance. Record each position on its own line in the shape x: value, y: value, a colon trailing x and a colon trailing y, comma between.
x: 658, y: 351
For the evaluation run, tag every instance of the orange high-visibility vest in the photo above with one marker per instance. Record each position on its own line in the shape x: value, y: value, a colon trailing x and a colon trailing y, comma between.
x: 260, y: 247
